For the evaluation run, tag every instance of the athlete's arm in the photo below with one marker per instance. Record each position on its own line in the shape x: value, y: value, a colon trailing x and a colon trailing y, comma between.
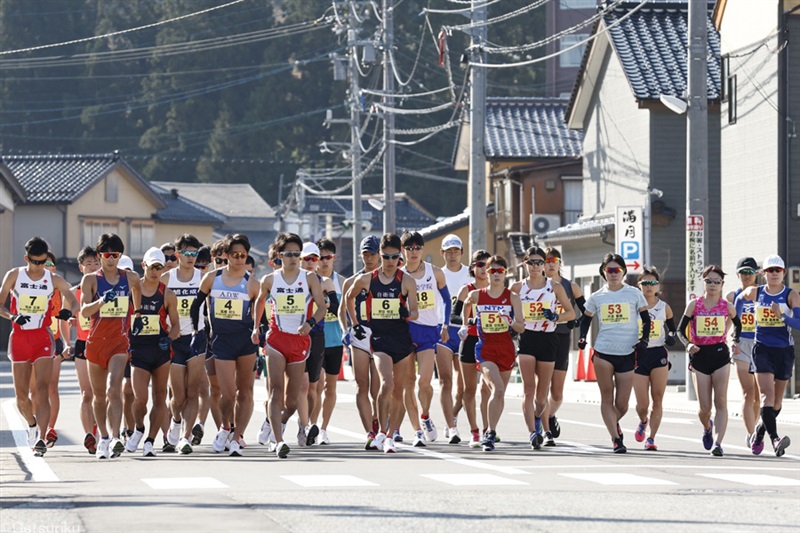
x: 258, y: 306
x: 793, y: 302
x: 410, y: 291
x: 670, y: 324
x: 563, y: 299
x: 518, y: 323
x: 586, y: 322
x: 472, y: 298
x: 134, y: 282
x: 88, y: 289
x: 8, y: 284
x: 171, y: 304
x: 359, y: 283
x: 319, y: 298
x: 68, y: 300
x: 342, y: 311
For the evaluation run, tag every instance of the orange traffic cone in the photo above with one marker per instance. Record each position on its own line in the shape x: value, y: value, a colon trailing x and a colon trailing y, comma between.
x: 580, y: 371
x: 590, y: 375
x: 345, y: 360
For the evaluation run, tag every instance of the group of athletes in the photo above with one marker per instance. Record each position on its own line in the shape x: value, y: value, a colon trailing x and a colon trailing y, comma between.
x: 186, y: 337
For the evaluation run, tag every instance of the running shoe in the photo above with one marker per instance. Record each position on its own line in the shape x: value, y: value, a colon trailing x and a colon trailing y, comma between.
x: 389, y: 446
x: 619, y: 447
x: 90, y: 443
x: 116, y: 448
x: 311, y: 434
x: 33, y: 436
x: 220, y: 440
x: 148, y: 450
x: 235, y: 449
x: 446, y: 433
x: 488, y: 441
x: 102, y: 449
x: 496, y: 438
x: 555, y: 428
x: 197, y: 434
x: 757, y: 445
x: 639, y: 435
x: 123, y: 433
x: 419, y: 439
x: 301, y: 434
x: 184, y: 446
x: 378, y: 441
x: 536, y: 440
x: 780, y: 445
x: 265, y: 433
x: 167, y: 447
x: 429, y: 428
x: 174, y: 433
x: 717, y: 451
x: 749, y: 439
x: 619, y: 432
x: 548, y: 439
x: 376, y: 427
x: 370, y: 443
x: 282, y: 450
x: 455, y: 438
x: 537, y: 425
x: 51, y: 438
x: 133, y: 441
x: 396, y: 436
x: 475, y: 442
x: 40, y: 448
x: 650, y: 445
x: 322, y: 438
x: 708, y: 437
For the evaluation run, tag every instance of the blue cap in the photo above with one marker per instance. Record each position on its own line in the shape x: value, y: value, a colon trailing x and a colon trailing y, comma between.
x: 370, y: 244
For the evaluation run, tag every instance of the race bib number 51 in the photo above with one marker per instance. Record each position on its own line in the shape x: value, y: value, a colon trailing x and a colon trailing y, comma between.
x: 493, y: 323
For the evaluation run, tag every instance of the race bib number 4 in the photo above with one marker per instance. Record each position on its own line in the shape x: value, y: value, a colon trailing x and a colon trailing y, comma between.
x: 184, y: 304
x: 290, y: 304
x: 615, y: 313
x: 116, y: 308
x: 228, y: 309
x: 710, y: 326
x: 385, y: 308
x: 493, y: 323
x: 32, y: 305
x: 425, y: 300
x: 748, y: 322
x: 534, y: 311
x: 767, y: 318
x: 150, y: 325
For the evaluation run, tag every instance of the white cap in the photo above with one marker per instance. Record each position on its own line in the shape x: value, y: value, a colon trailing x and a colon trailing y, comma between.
x: 154, y: 256
x: 309, y: 248
x: 452, y: 241
x: 772, y: 261
x: 125, y: 263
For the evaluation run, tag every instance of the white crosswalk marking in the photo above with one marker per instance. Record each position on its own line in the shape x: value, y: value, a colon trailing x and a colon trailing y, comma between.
x: 330, y: 481
x: 186, y: 483
x: 756, y: 479
x: 615, y: 478
x: 473, y: 480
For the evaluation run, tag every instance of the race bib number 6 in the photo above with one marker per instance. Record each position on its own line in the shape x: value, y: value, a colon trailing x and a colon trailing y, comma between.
x: 385, y: 308
x: 32, y: 305
x: 493, y: 323
x: 615, y: 313
x: 116, y: 308
x: 228, y: 309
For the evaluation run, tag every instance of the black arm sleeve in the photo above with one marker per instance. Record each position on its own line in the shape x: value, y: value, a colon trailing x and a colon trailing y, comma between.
x: 586, y: 321
x: 670, y: 322
x: 333, y: 303
x: 682, y: 328
x: 737, y: 327
x: 645, y: 316
x: 455, y: 317
x: 194, y: 311
x: 580, y: 301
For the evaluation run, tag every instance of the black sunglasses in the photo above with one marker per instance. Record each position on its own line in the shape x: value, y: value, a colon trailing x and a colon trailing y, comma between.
x: 391, y: 256
x: 37, y: 261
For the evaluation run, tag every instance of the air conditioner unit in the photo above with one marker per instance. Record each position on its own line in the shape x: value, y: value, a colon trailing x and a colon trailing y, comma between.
x: 541, y: 224
x: 793, y: 278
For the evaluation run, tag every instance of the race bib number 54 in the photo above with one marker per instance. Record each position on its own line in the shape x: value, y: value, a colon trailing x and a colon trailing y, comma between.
x: 710, y: 326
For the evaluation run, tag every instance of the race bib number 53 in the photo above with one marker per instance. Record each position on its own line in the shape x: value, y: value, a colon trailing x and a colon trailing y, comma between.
x: 615, y: 313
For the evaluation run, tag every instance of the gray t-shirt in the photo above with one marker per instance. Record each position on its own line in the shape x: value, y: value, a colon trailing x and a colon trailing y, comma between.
x: 617, y: 313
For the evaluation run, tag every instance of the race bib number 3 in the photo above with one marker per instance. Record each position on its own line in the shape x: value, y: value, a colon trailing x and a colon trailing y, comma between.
x: 767, y: 318
x: 748, y: 322
x: 290, y: 304
x: 150, y: 325
x: 116, y: 308
x: 710, y: 326
x: 184, y: 304
x: 385, y: 308
x: 228, y: 309
x: 32, y: 305
x: 534, y: 311
x: 615, y: 313
x: 425, y: 300
x: 493, y: 323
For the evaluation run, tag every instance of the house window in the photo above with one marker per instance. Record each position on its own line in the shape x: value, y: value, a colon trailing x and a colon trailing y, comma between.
x: 112, y: 188
x: 92, y: 229
x: 732, y: 111
x: 578, y: 4
x: 573, y: 57
x: 142, y: 238
x: 573, y: 198
x: 725, y: 67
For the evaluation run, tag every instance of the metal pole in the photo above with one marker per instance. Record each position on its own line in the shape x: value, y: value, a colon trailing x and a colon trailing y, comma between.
x: 477, y: 121
x: 355, y: 121
x: 696, y: 153
x: 389, y: 221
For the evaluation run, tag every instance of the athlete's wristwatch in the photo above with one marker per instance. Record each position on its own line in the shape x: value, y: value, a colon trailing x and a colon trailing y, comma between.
x: 137, y: 311
x: 311, y: 321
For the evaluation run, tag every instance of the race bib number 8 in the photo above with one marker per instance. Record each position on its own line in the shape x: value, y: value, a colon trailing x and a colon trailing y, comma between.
x: 425, y: 300
x: 116, y: 308
x: 748, y: 322
x: 184, y: 304
x: 493, y: 323
x: 768, y: 319
x: 385, y: 308
x: 534, y: 311
x: 150, y: 325
x: 710, y: 326
x: 228, y: 309
x: 32, y: 305
x: 615, y: 313
x: 290, y: 304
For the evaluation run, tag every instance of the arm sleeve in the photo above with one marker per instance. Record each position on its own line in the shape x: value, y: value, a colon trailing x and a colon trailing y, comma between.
x: 448, y: 304
x: 670, y: 322
x: 586, y: 321
x: 737, y: 327
x: 455, y: 315
x: 794, y: 319
x: 333, y: 303
x: 739, y: 304
x: 645, y: 316
x: 682, y: 328
x: 580, y: 302
x: 194, y: 311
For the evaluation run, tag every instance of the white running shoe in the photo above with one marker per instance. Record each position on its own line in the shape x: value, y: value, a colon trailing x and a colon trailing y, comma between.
x: 419, y: 439
x: 103, y: 449
x: 429, y: 428
x: 389, y: 447
x: 475, y: 442
x: 322, y: 438
x: 184, y: 446
x: 301, y: 435
x: 33, y: 435
x: 220, y: 440
x: 116, y: 448
x: 235, y: 449
x: 282, y: 450
x: 148, y: 450
x: 265, y: 434
x: 455, y: 438
x: 174, y: 433
x: 377, y: 442
x: 133, y: 441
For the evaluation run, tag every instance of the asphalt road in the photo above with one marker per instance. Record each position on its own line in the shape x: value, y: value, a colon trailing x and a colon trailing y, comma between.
x: 578, y: 485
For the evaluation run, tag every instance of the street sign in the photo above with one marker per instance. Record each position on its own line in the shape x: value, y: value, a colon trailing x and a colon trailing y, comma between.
x: 695, y: 253
x: 629, y: 232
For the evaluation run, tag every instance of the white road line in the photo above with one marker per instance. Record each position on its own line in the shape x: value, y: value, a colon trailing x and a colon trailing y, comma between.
x: 657, y: 466
x: 317, y: 481
x: 613, y: 478
x: 473, y: 480
x: 39, y: 469
x: 756, y: 479
x: 184, y: 483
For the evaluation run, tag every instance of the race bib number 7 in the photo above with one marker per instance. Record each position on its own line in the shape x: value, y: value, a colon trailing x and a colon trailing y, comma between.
x: 615, y: 313
x: 32, y: 305
x: 385, y: 308
x: 116, y: 308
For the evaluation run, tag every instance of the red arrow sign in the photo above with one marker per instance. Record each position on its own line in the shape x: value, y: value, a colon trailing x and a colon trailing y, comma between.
x: 635, y: 265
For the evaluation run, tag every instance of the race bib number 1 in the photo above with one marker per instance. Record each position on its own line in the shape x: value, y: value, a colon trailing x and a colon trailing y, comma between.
x: 32, y: 305
x: 116, y: 308
x: 228, y: 309
x: 615, y: 313
x: 385, y: 308
x: 710, y: 326
x: 493, y: 323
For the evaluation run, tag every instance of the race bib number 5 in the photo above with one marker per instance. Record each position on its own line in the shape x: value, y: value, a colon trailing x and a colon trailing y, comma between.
x: 710, y: 326
x: 615, y: 313
x: 493, y: 323
x: 534, y: 311
x: 116, y: 308
x: 385, y: 308
x: 290, y: 304
x: 228, y: 309
x: 32, y: 305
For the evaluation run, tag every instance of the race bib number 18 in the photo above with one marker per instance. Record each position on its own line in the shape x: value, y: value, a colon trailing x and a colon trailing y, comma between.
x: 425, y: 300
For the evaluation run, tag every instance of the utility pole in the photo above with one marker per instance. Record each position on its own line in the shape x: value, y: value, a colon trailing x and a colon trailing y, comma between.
x: 355, y: 121
x: 696, y: 155
x: 477, y: 122
x: 389, y: 221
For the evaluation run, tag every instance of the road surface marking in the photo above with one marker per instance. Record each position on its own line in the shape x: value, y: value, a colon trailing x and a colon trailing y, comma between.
x: 614, y: 478
x: 330, y: 481
x: 756, y: 479
x: 39, y: 469
x: 186, y: 483
x: 473, y: 480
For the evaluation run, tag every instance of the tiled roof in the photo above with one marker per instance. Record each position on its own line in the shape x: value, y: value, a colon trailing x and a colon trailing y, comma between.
x: 235, y: 200
x: 529, y: 128
x: 580, y: 230
x: 446, y: 225
x: 179, y: 209
x: 409, y: 216
x: 57, y: 178
x: 652, y: 46
x: 520, y: 242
